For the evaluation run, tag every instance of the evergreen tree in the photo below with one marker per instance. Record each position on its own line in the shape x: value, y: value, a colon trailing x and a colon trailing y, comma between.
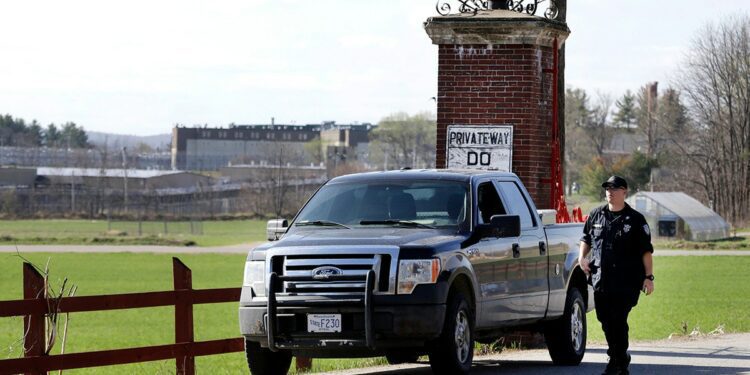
x: 626, y: 110
x: 51, y: 136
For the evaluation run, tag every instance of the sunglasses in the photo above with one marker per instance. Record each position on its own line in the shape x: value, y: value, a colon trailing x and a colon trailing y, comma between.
x: 611, y: 188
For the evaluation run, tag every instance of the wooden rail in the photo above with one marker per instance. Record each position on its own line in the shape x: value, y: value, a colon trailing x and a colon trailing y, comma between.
x: 34, y: 308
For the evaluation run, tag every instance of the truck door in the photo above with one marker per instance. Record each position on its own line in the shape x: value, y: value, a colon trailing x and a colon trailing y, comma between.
x: 531, y: 283
x: 495, y: 266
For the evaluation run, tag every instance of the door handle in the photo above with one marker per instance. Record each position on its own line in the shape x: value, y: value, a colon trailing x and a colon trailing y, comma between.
x: 542, y: 248
x: 516, y: 250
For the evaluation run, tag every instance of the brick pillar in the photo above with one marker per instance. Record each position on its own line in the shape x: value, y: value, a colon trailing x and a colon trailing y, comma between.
x: 495, y: 68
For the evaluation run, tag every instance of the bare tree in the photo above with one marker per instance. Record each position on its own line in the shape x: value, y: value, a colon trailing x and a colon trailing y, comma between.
x: 715, y: 80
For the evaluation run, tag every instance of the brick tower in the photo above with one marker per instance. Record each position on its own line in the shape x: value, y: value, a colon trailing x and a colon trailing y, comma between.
x: 496, y: 91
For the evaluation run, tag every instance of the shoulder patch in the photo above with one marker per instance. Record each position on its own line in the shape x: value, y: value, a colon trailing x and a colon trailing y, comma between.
x: 646, y: 229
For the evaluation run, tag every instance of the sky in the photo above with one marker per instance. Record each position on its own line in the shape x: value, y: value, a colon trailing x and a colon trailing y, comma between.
x: 140, y: 67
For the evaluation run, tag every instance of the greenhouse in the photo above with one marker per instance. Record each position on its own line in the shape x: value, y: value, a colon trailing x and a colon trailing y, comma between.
x: 680, y: 216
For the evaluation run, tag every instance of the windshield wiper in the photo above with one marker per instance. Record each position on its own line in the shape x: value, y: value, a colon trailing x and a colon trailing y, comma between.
x: 321, y: 223
x: 406, y: 223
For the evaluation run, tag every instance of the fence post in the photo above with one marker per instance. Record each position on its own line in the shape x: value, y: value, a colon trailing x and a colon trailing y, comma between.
x: 183, y: 315
x: 34, y: 339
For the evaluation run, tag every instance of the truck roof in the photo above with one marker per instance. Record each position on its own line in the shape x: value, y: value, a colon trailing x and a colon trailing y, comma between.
x: 430, y: 174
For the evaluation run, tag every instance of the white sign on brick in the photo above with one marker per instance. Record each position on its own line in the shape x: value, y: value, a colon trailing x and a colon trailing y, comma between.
x: 487, y: 147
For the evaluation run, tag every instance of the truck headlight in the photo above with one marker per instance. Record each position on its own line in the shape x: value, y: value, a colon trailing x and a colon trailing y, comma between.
x: 255, y: 277
x: 412, y: 272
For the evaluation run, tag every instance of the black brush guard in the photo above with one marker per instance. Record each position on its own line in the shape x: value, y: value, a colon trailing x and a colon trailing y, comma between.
x: 365, y: 301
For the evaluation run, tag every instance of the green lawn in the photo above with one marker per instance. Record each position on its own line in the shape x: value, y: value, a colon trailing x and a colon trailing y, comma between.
x: 701, y: 291
x: 97, y: 232
x: 128, y: 273
x: 732, y: 243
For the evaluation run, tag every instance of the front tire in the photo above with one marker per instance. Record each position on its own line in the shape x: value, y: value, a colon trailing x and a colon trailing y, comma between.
x: 566, y: 336
x: 453, y: 351
x: 263, y: 361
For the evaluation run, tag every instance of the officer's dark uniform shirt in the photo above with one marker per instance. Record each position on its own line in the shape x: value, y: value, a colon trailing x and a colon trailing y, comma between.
x: 618, y: 241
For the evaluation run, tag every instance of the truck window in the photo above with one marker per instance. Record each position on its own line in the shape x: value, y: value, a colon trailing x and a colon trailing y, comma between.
x: 441, y: 204
x: 517, y: 205
x: 488, y: 202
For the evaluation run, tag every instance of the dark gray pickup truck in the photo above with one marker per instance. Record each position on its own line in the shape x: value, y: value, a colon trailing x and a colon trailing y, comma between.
x: 405, y: 263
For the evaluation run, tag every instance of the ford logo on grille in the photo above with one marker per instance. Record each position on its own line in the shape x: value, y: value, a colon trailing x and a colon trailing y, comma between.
x: 326, y: 272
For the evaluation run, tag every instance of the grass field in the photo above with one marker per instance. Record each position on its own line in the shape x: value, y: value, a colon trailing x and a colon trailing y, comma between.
x: 703, y: 292
x: 95, y: 232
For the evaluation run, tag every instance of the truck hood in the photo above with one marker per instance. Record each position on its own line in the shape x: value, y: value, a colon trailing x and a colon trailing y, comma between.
x: 401, y: 237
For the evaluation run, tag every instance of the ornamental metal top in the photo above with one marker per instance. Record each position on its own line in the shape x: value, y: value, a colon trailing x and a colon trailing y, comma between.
x: 530, y: 7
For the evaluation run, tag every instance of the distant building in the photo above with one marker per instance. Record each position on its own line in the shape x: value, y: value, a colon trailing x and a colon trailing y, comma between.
x: 138, y: 179
x: 196, y: 148
x: 678, y: 215
x: 625, y: 142
x: 260, y: 172
x: 12, y: 176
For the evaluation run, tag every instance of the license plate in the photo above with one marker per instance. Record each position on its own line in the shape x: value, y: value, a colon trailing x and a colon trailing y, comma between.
x: 323, y: 322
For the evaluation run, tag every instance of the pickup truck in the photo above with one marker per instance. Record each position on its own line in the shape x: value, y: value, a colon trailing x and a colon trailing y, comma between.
x: 412, y: 262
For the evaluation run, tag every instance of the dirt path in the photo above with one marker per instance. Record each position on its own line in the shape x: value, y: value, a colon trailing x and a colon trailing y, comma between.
x: 724, y: 354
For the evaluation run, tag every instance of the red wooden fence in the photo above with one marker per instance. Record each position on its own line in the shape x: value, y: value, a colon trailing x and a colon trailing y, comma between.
x: 35, y: 306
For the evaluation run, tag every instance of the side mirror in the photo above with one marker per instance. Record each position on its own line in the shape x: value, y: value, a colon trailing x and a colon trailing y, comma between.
x: 276, y: 228
x: 501, y: 226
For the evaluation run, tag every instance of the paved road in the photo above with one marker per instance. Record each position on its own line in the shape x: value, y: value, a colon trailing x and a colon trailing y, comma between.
x: 244, y: 248
x: 725, y: 354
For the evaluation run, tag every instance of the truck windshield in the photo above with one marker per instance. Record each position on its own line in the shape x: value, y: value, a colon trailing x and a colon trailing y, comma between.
x: 409, y: 204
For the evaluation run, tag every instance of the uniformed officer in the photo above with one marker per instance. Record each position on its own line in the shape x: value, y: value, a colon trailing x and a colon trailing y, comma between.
x: 620, y: 267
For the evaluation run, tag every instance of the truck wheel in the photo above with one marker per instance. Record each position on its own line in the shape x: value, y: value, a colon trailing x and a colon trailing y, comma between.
x: 453, y: 351
x: 405, y: 356
x: 566, y: 336
x: 264, y: 361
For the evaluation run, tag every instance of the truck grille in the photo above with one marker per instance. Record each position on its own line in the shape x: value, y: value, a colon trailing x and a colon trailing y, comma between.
x: 356, y: 266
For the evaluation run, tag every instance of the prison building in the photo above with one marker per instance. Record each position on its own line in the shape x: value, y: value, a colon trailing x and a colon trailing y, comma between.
x: 203, y: 148
x: 136, y: 179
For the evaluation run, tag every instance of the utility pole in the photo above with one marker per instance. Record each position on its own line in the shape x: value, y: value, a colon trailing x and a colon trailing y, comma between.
x: 72, y: 192
x: 125, y: 177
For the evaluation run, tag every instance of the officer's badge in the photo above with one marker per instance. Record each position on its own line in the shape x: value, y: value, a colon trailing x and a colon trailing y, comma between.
x: 646, y: 230
x: 626, y: 228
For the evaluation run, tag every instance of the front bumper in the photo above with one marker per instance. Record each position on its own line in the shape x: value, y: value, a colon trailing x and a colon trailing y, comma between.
x: 371, y: 322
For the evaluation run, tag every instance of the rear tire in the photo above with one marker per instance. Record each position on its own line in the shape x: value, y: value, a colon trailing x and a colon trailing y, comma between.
x: 453, y: 351
x: 566, y: 336
x: 262, y: 361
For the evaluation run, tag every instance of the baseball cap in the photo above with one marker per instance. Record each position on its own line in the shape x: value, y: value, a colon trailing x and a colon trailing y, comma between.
x: 616, y: 182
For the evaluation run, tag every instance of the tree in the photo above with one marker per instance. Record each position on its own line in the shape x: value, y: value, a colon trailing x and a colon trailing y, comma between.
x: 143, y: 148
x: 51, y: 136
x: 316, y: 150
x: 715, y: 79
x: 626, y: 110
x: 636, y: 168
x: 577, y: 148
x: 407, y: 141
x: 593, y: 173
x: 588, y: 130
x: 73, y: 137
x: 672, y: 117
x: 34, y: 134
